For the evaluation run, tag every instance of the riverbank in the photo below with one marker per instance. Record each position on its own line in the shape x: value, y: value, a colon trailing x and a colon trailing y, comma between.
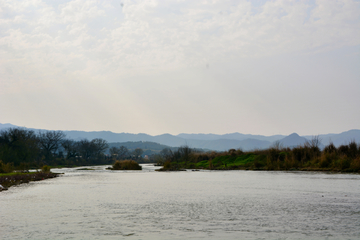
x: 10, y: 179
x: 309, y: 157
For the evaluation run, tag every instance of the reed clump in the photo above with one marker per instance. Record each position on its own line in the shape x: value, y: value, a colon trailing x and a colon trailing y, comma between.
x: 126, y: 165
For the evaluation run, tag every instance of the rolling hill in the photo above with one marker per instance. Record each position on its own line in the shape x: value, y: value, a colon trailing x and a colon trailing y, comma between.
x: 215, y: 142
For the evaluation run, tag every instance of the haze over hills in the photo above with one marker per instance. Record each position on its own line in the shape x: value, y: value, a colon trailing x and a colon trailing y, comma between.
x: 233, y: 136
x: 211, y: 141
x: 293, y: 140
x: 341, y: 138
x: 6, y: 125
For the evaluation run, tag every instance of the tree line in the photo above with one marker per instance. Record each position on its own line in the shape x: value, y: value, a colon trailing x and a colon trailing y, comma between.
x: 22, y: 149
x: 309, y: 156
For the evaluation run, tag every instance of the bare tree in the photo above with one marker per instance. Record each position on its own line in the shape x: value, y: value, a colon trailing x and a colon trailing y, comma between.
x: 123, y: 152
x: 99, y: 145
x: 315, y: 142
x: 119, y: 152
x: 114, y: 152
x: 18, y: 145
x: 92, y: 149
x: 84, y: 148
x: 137, y: 153
x: 71, y: 148
x: 50, y: 142
x: 314, y: 146
x: 277, y: 145
x: 185, y: 152
x: 166, y: 154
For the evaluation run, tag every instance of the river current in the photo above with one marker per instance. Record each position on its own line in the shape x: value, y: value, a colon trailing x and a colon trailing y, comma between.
x: 103, y: 204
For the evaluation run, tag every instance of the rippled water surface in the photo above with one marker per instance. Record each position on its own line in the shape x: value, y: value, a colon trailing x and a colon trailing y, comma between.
x: 102, y: 204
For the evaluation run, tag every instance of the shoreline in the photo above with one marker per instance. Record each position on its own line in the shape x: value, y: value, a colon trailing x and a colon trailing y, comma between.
x: 263, y: 170
x: 10, y: 180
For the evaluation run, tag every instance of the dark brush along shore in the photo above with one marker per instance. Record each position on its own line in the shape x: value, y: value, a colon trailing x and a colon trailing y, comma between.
x: 8, y: 180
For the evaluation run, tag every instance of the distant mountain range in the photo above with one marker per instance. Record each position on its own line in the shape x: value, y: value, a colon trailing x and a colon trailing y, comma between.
x: 293, y: 140
x: 212, y: 141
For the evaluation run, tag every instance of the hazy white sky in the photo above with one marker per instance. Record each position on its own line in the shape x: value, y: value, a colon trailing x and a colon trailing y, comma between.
x: 220, y: 66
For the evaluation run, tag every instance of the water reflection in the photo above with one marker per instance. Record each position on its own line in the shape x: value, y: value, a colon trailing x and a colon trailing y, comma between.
x: 103, y: 204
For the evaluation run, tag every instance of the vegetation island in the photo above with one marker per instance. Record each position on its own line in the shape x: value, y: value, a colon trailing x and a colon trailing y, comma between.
x: 125, y: 165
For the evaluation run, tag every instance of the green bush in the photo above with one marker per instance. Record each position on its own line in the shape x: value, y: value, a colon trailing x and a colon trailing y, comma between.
x: 355, y: 164
x: 203, y: 164
x: 167, y: 165
x: 244, y: 159
x: 24, y: 167
x: 330, y: 148
x: 345, y: 163
x: 327, y: 160
x: 353, y: 149
x: 259, y: 161
x: 344, y: 149
x: 45, y: 169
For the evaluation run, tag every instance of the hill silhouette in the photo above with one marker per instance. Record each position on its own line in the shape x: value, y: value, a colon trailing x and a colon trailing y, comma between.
x: 215, y: 142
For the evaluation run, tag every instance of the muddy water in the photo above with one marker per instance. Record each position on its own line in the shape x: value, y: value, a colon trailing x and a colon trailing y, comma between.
x: 102, y: 204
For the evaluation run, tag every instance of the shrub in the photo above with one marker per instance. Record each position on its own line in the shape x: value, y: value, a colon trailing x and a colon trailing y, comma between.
x: 298, y: 153
x: 167, y: 165
x: 45, y: 169
x: 274, y: 154
x: 259, y: 161
x: 345, y: 163
x: 282, y: 156
x: 344, y: 149
x: 314, y: 152
x: 232, y: 152
x: 304, y: 154
x: 211, y: 166
x: 239, y: 152
x: 289, y: 163
x: 355, y: 164
x: 326, y: 160
x: 6, y: 168
x: 330, y: 148
x: 190, y: 165
x: 126, y: 165
x: 201, y: 157
x: 353, y: 149
x: 24, y: 167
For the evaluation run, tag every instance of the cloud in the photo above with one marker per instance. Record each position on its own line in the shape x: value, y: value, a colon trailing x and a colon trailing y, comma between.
x: 139, y: 46
x: 154, y: 35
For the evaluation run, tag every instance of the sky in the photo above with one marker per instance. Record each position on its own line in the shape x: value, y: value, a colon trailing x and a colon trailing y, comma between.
x: 206, y: 66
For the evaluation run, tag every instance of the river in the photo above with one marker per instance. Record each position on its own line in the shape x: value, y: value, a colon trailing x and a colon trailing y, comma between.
x: 103, y: 204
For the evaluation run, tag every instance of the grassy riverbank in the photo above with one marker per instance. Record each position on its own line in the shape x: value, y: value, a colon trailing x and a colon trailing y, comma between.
x: 309, y: 157
x: 10, y: 179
